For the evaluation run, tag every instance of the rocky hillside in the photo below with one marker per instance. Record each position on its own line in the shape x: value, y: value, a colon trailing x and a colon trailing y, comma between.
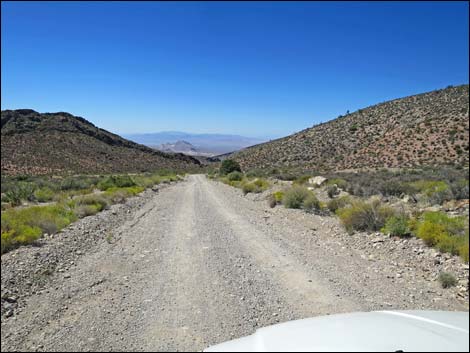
x: 34, y: 143
x: 425, y: 129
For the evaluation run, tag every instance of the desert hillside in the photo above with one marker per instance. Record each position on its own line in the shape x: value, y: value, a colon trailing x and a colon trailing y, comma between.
x: 425, y: 129
x: 35, y: 143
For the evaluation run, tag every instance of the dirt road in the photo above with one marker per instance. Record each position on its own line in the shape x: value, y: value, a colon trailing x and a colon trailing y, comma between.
x: 200, y: 264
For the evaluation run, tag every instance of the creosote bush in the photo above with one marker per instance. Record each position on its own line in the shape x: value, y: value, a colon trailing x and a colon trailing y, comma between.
x: 23, y: 226
x: 278, y: 195
x: 113, y: 181
x: 295, y: 196
x: 311, y: 203
x: 272, y: 201
x: 20, y: 191
x: 397, y: 226
x: 447, y: 279
x: 340, y: 202
x: 448, y: 234
x: 255, y: 186
x: 365, y: 215
x: 73, y: 200
x: 228, y: 166
x: 235, y: 176
x: 44, y: 194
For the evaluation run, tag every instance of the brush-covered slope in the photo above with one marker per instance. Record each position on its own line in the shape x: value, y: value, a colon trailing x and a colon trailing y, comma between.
x: 34, y: 143
x: 425, y: 129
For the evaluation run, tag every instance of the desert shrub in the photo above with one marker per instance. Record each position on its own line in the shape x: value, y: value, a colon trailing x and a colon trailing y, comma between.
x: 22, y: 235
x: 229, y: 165
x: 460, y: 189
x: 255, y: 186
x: 311, y: 203
x: 448, y: 234
x: 393, y: 188
x: 397, y: 226
x: 339, y: 182
x: 353, y: 128
x: 340, y: 202
x: 20, y: 191
x: 278, y: 195
x: 235, y: 176
x: 301, y: 180
x: 255, y: 173
x: 447, y: 279
x: 145, y: 181
x: 76, y: 183
x: 463, y: 249
x: 23, y: 226
x: 248, y: 187
x: 295, y: 196
x: 332, y: 191
x: 234, y: 183
x: 272, y: 201
x: 97, y: 201
x: 44, y: 194
x: 86, y: 210
x: 50, y: 183
x: 286, y: 175
x: 261, y: 183
x: 119, y: 195
x: 119, y: 181
x: 364, y: 216
x: 436, y: 192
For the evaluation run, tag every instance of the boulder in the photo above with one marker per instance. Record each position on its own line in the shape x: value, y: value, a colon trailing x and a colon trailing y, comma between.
x: 318, y: 180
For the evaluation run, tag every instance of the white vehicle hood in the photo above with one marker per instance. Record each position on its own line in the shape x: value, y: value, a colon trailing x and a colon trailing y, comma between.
x: 406, y: 331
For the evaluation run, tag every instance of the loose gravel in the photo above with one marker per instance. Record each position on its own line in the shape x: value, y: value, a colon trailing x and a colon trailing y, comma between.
x: 197, y: 263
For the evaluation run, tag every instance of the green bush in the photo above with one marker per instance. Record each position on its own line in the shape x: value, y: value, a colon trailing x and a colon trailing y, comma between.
x: 332, y: 191
x: 235, y: 176
x: 118, y: 195
x: 255, y: 186
x: 255, y: 173
x: 340, y: 202
x: 436, y: 192
x: 364, y: 216
x: 76, y: 183
x: 311, y: 203
x: 447, y: 279
x: 119, y: 181
x: 23, y: 226
x: 98, y: 201
x: 448, y: 234
x: 248, y: 187
x: 394, y: 188
x: 397, y: 226
x: 228, y: 166
x: 44, y: 194
x: 278, y: 195
x: 295, y: 196
x: 339, y: 182
x: 86, y: 210
x: 20, y: 191
x: 272, y: 201
x: 460, y: 189
x: 301, y: 180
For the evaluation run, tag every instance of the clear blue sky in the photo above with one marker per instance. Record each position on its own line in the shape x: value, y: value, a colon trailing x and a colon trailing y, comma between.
x: 236, y: 67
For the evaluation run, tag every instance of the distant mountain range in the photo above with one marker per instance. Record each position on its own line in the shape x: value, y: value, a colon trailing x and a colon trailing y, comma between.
x: 182, y: 147
x: 203, y: 144
x: 422, y: 130
x: 57, y: 143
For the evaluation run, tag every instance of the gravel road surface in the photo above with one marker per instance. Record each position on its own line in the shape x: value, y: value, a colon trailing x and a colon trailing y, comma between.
x: 199, y: 264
